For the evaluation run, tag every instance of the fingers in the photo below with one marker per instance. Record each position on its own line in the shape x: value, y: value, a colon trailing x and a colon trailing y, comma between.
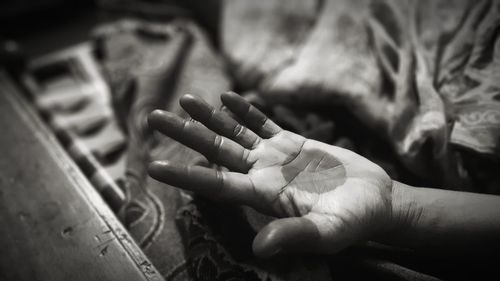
x: 216, y: 148
x: 253, y: 118
x: 218, y: 121
x: 228, y: 186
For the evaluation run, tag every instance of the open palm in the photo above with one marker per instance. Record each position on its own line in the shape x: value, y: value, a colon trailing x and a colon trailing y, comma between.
x: 326, y: 197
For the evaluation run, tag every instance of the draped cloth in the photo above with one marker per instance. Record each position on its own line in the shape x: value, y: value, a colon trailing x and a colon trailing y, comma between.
x: 421, y: 76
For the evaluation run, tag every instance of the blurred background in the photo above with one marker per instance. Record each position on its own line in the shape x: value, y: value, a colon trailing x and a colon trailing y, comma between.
x: 411, y: 85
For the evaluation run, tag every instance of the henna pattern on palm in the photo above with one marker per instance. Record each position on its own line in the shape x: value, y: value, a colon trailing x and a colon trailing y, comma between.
x: 326, y: 197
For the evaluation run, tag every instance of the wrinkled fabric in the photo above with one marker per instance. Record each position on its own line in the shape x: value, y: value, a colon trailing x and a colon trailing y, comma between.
x: 423, y: 74
x: 414, y: 76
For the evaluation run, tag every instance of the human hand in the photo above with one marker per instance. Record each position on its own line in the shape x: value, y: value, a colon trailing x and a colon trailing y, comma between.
x: 326, y: 197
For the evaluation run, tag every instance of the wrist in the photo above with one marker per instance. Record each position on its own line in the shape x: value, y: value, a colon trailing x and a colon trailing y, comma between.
x: 406, y: 212
x: 438, y: 220
x: 403, y: 205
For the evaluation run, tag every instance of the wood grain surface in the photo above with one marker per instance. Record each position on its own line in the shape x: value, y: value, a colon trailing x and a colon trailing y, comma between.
x: 53, y: 223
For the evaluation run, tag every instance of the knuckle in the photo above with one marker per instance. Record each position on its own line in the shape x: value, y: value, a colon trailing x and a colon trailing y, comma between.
x: 211, y: 115
x: 238, y: 131
x: 217, y: 145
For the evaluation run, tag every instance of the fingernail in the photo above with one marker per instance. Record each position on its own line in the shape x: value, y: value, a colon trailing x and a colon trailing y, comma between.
x: 154, y: 116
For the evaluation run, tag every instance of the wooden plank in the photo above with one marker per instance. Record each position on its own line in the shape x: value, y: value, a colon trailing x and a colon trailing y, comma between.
x: 53, y: 223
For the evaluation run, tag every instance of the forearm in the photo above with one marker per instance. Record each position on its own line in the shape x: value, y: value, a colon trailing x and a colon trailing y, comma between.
x: 443, y: 220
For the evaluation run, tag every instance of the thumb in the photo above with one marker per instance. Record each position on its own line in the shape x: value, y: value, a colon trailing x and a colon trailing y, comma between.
x: 296, y: 234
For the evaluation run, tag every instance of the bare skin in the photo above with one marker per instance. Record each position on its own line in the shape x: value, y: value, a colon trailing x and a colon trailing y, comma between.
x: 326, y: 198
